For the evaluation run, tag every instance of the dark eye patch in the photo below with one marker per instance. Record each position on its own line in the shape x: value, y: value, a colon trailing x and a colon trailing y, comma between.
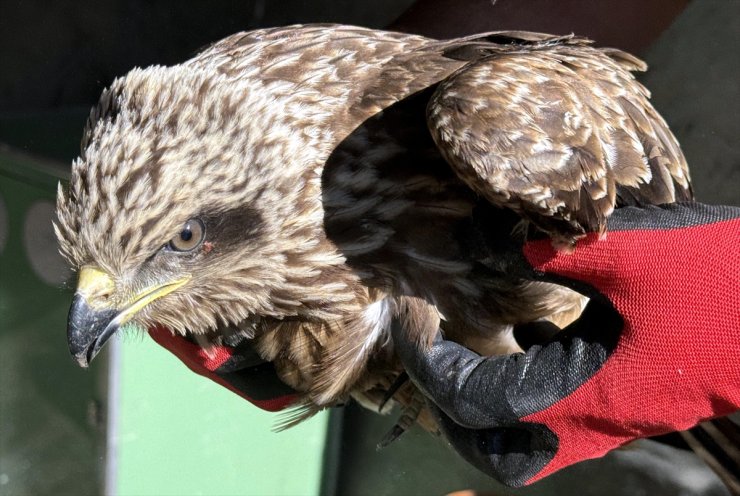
x: 232, y: 227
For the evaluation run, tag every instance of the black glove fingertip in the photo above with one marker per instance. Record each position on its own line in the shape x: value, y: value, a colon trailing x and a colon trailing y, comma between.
x: 511, y: 455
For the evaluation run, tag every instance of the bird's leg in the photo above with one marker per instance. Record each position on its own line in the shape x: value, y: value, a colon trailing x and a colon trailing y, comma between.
x: 409, y: 414
x: 421, y: 321
x: 402, y: 379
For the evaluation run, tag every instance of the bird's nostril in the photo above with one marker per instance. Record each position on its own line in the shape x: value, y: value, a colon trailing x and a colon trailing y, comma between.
x: 95, y: 285
x: 101, y: 298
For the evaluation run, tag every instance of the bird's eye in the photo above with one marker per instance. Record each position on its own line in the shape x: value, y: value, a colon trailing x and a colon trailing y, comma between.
x: 190, y: 237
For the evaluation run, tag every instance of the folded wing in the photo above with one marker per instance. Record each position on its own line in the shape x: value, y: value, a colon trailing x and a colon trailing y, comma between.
x: 560, y: 132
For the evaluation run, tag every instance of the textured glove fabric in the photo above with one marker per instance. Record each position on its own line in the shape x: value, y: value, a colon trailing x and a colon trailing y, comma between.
x: 673, y: 274
x: 237, y: 368
x: 656, y: 350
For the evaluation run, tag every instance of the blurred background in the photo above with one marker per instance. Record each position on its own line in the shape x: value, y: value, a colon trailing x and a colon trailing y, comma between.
x: 139, y: 422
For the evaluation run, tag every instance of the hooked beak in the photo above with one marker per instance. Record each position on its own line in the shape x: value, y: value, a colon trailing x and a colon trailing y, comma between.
x: 92, y: 321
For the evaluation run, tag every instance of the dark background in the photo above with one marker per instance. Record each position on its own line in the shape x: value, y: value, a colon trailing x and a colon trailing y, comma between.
x: 63, y: 53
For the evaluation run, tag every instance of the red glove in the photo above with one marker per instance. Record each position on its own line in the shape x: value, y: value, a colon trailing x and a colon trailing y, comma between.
x: 238, y: 368
x: 656, y: 350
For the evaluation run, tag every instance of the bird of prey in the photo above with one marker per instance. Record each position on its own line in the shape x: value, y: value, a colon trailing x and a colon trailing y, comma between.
x: 300, y: 186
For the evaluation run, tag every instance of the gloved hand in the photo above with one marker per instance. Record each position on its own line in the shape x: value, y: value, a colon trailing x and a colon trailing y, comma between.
x: 237, y: 367
x: 656, y: 350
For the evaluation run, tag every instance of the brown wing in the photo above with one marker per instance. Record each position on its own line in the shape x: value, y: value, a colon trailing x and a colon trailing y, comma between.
x: 560, y: 133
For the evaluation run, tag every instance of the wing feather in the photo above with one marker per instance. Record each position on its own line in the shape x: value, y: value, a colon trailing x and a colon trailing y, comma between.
x: 560, y: 133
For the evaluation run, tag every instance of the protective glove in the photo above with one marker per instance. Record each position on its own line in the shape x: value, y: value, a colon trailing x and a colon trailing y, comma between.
x: 235, y: 366
x: 656, y: 350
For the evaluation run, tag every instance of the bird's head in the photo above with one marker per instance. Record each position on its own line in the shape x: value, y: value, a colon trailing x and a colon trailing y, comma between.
x: 190, y: 206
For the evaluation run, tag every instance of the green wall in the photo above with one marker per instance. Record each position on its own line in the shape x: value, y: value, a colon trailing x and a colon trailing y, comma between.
x: 180, y: 433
